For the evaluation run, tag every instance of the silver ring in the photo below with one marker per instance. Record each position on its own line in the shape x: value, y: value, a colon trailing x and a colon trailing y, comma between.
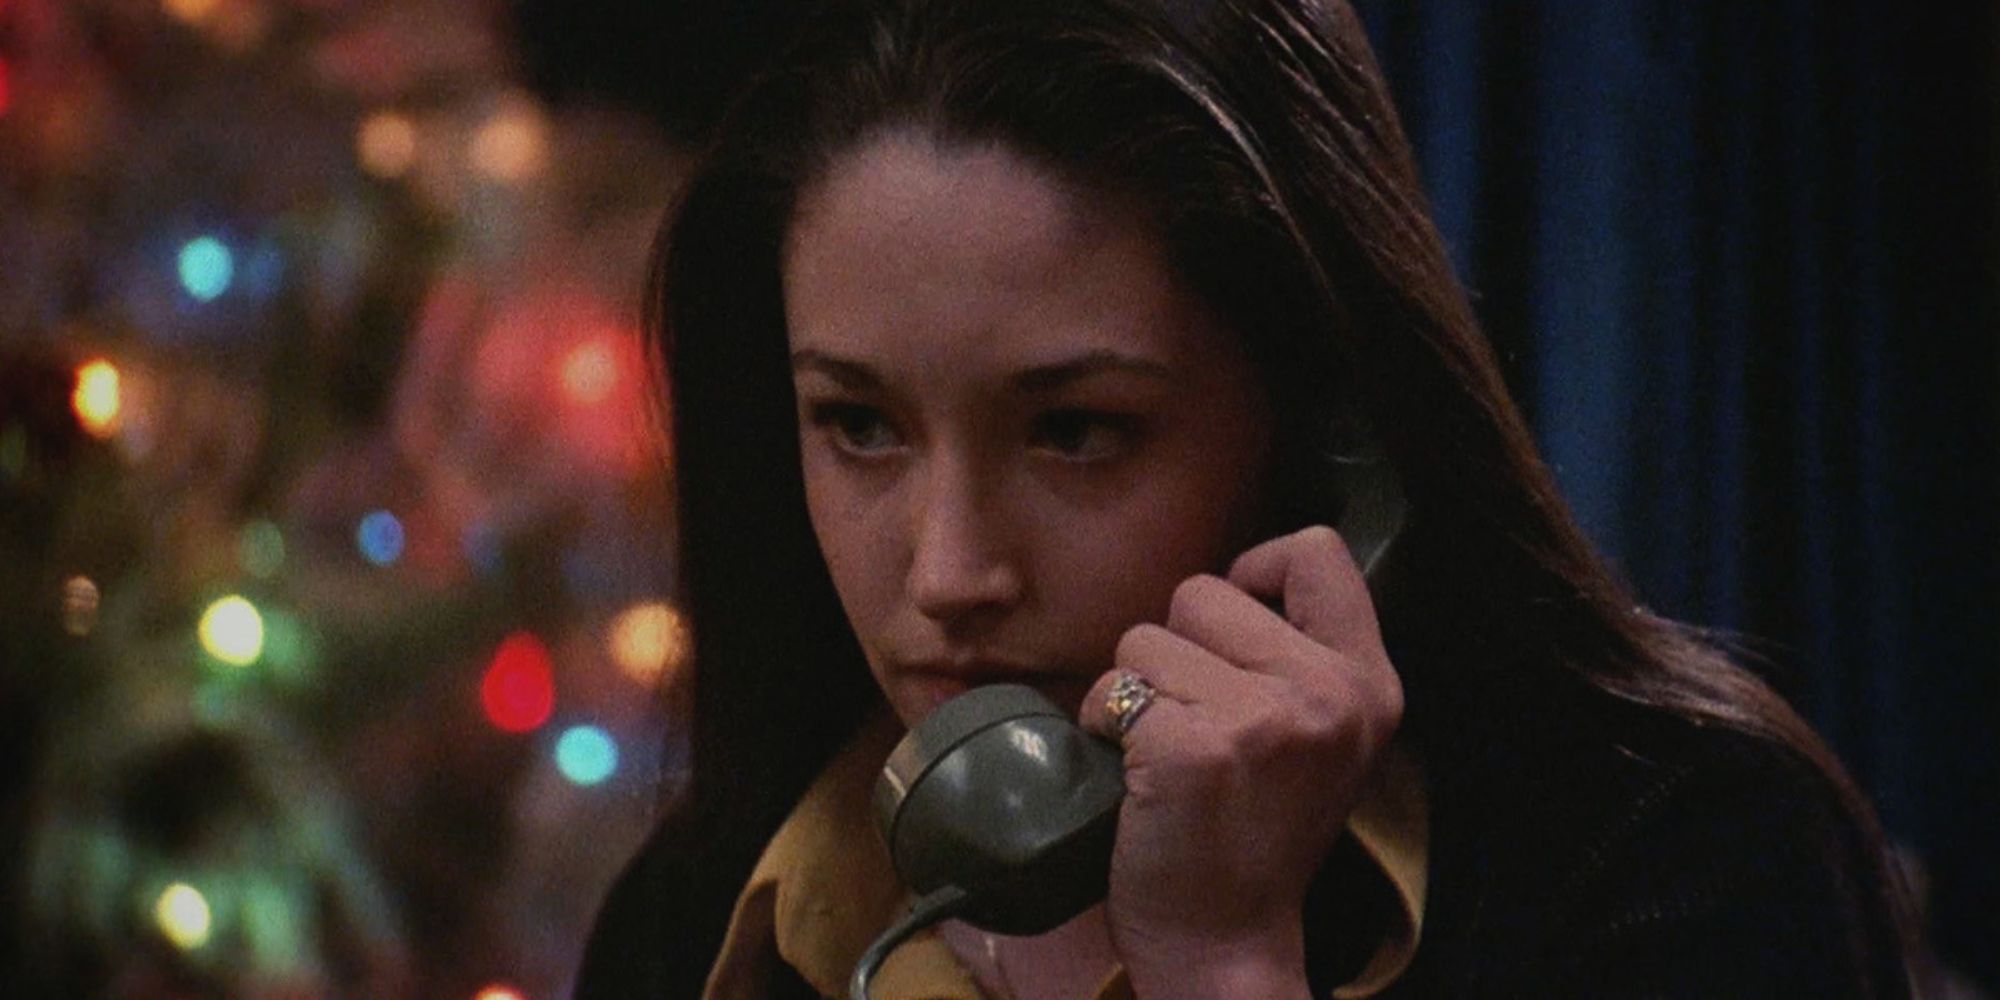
x: 1128, y: 699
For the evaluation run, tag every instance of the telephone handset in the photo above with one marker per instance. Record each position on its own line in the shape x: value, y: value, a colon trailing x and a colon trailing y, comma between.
x: 999, y: 810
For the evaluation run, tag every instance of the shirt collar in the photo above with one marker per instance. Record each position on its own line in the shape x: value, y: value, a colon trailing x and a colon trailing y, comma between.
x: 825, y: 886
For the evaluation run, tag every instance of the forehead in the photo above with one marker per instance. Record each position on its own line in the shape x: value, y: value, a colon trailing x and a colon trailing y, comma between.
x: 906, y: 247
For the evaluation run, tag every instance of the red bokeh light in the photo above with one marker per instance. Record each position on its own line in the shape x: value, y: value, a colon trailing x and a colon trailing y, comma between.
x: 519, y: 690
x: 6, y: 81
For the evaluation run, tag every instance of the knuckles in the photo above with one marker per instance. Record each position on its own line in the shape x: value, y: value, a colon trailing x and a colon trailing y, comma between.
x: 1319, y: 535
x: 1344, y: 709
x: 1285, y: 725
x: 1134, y: 645
x: 1191, y: 596
x: 1288, y: 725
x: 1390, y: 705
x: 1317, y: 538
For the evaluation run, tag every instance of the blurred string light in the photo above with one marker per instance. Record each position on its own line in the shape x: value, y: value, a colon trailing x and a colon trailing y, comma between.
x: 586, y: 755
x: 260, y: 549
x: 291, y: 648
x: 271, y: 912
x: 13, y: 450
x: 191, y: 11
x: 6, y: 87
x: 380, y: 537
x: 386, y: 144
x: 232, y: 631
x: 262, y: 271
x: 511, y: 144
x: 96, y: 399
x: 647, y: 640
x: 498, y: 991
x: 241, y: 27
x: 217, y: 703
x: 590, y: 372
x: 80, y: 599
x: 518, y: 690
x: 206, y: 268
x: 182, y: 915
x: 481, y: 545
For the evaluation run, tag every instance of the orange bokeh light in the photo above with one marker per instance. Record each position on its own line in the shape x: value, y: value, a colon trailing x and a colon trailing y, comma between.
x: 386, y: 144
x: 191, y: 11
x: 647, y: 640
x: 96, y: 399
x: 511, y: 145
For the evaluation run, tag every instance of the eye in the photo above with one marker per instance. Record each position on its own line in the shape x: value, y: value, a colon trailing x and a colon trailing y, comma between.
x: 1085, y: 435
x: 855, y: 428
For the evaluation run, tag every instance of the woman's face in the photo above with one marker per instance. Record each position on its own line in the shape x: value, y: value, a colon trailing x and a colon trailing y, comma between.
x: 1018, y: 432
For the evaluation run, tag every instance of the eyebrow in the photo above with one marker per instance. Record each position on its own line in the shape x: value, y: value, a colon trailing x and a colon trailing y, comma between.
x: 1041, y: 378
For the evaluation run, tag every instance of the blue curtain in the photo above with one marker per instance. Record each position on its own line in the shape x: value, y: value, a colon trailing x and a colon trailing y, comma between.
x: 1739, y: 262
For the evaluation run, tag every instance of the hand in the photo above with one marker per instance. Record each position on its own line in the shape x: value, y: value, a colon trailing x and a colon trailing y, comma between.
x: 1243, y: 770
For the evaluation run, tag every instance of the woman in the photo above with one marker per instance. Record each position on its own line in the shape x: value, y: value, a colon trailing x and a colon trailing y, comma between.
x: 1043, y: 341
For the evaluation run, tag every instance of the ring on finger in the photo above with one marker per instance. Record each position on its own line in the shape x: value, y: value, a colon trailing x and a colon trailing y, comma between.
x: 1129, y: 697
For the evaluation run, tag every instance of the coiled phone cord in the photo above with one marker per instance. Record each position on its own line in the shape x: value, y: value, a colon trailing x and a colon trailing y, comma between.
x: 940, y: 905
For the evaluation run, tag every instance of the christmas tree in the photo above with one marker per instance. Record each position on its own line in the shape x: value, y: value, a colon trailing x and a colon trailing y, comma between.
x: 336, y: 596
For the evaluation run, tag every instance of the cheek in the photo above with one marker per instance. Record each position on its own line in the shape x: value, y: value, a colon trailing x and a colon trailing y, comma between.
x: 849, y: 523
x: 1118, y: 565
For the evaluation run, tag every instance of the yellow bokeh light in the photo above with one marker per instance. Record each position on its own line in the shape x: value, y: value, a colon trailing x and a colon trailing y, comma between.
x: 79, y: 605
x: 498, y: 992
x: 191, y: 11
x: 510, y: 146
x: 647, y: 640
x: 96, y: 399
x: 232, y: 631
x: 183, y: 916
x: 386, y: 144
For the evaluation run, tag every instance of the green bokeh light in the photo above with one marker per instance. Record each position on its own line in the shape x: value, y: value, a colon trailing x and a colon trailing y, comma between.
x: 260, y: 549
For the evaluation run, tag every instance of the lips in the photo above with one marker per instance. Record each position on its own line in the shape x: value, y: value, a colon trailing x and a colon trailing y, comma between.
x: 937, y: 682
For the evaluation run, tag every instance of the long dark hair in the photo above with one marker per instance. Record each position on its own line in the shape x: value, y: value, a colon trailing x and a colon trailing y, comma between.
x: 1261, y: 136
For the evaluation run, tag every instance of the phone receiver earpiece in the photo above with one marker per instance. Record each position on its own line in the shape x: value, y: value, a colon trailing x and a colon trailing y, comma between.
x: 1373, y: 508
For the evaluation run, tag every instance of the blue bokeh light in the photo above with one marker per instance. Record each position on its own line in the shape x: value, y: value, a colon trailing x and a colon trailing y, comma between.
x: 586, y: 755
x: 380, y: 537
x: 482, y: 547
x: 206, y: 268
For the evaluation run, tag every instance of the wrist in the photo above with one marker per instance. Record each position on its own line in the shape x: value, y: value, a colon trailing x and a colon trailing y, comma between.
x: 1267, y: 964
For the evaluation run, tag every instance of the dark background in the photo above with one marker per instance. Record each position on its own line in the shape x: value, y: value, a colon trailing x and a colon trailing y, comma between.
x: 1740, y: 261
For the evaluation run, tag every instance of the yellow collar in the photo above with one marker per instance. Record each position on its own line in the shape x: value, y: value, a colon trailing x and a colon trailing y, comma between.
x: 825, y: 887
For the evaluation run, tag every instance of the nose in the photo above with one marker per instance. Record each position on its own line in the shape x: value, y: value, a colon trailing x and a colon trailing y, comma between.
x: 962, y: 561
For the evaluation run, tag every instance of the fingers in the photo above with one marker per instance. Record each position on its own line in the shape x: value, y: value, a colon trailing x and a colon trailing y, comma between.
x: 1180, y: 667
x: 1221, y: 618
x: 1222, y: 649
x: 1323, y: 591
